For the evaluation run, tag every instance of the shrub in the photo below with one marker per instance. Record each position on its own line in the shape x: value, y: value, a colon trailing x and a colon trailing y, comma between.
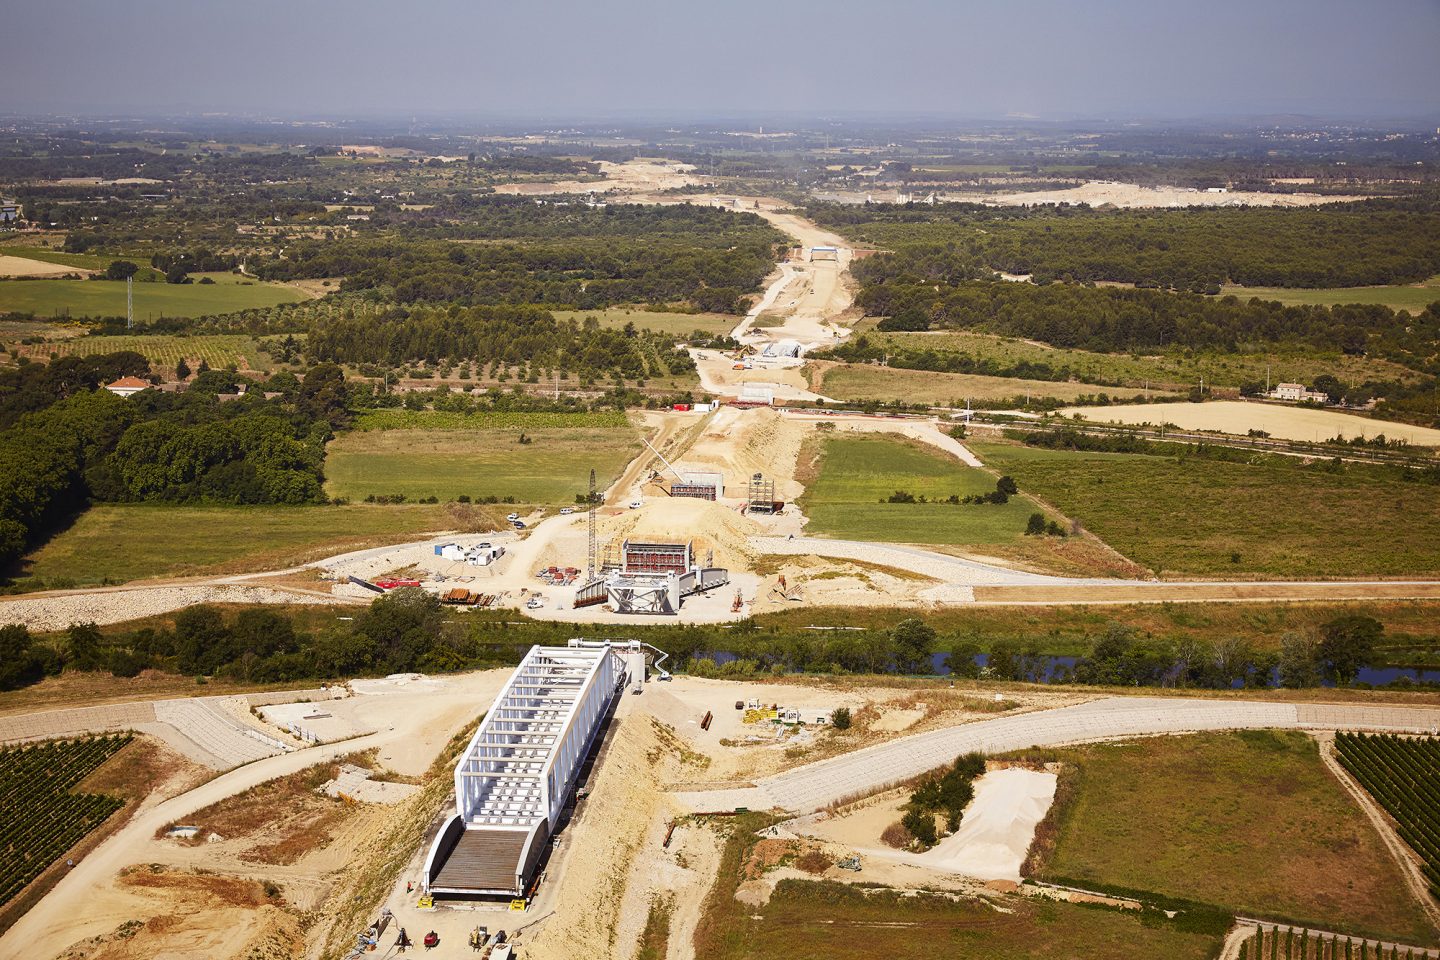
x: 839, y: 718
x: 1035, y: 526
x: 814, y: 862
x: 921, y: 824
x: 897, y: 836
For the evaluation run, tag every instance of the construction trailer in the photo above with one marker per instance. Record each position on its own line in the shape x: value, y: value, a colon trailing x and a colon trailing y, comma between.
x: 479, y: 555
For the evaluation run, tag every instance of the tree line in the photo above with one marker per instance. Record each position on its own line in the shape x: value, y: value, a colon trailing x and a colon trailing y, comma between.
x: 1197, y: 248
x: 407, y: 630
x: 86, y: 444
x: 1122, y: 320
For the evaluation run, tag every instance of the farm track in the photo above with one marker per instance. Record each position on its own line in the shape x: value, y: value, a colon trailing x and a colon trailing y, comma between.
x: 1404, y: 857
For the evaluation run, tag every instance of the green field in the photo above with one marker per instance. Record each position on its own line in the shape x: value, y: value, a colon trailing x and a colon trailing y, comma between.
x: 853, y: 473
x: 106, y: 298
x: 675, y: 324
x: 1250, y: 821
x: 163, y: 350
x: 1177, y: 369
x: 118, y: 542
x: 1274, y: 517
x: 1413, y: 298
x: 551, y: 468
x: 84, y: 261
x: 858, y: 382
x: 823, y: 920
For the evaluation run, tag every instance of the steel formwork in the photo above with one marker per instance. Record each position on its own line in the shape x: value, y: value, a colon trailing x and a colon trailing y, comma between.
x: 641, y: 557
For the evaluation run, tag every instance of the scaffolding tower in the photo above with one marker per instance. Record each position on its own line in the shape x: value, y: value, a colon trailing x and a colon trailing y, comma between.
x: 761, y: 494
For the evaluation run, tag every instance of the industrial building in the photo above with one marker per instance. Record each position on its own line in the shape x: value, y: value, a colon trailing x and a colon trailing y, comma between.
x: 519, y: 772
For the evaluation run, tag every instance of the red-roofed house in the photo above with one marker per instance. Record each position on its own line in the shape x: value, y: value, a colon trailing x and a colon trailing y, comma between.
x: 127, y: 386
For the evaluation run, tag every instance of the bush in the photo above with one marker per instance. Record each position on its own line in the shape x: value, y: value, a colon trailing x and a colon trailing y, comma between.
x: 814, y: 862
x: 921, y: 825
x: 839, y: 718
x: 1035, y: 526
x: 897, y: 836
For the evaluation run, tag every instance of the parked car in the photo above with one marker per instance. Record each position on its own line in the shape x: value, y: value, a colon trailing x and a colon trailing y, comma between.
x: 518, y: 524
x: 513, y: 517
x: 566, y: 511
x: 636, y: 504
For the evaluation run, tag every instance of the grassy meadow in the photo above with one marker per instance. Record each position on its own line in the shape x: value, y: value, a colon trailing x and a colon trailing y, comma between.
x: 106, y: 298
x: 853, y: 473
x: 812, y: 919
x: 1251, y: 821
x: 858, y: 382
x: 1412, y: 298
x: 1276, y: 517
x: 118, y: 542
x: 481, y: 459
x: 82, y: 261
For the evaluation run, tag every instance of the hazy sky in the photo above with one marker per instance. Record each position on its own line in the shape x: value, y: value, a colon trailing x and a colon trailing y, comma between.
x: 570, y: 58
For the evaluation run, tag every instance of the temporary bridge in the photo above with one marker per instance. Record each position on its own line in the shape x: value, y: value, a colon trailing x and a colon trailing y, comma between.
x: 521, y: 768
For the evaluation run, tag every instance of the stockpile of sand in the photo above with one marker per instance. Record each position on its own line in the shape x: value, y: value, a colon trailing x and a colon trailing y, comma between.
x: 710, y: 525
x: 739, y: 443
x: 998, y: 826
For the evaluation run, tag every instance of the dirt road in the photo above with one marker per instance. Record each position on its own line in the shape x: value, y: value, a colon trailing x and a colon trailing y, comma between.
x: 418, y: 723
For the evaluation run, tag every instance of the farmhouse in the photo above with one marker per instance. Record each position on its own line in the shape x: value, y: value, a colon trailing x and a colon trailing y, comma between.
x: 127, y: 386
x: 1297, y: 393
x: 9, y: 211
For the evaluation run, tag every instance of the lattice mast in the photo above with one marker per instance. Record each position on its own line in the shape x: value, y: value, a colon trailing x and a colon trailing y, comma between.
x: 590, y: 531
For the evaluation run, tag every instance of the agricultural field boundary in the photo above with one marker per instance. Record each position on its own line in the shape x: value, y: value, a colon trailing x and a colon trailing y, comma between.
x: 1405, y: 858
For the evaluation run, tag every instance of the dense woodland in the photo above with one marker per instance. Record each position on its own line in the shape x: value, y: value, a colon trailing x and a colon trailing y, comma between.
x: 495, y: 335
x: 582, y: 258
x: 65, y: 444
x: 1373, y: 242
x: 1121, y: 320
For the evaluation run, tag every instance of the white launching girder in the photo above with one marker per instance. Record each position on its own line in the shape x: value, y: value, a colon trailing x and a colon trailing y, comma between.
x: 519, y: 767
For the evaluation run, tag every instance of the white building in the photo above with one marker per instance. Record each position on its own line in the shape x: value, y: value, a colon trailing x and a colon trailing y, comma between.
x: 1297, y: 393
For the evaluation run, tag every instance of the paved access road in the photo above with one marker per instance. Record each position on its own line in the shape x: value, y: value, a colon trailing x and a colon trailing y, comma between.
x: 817, y: 785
